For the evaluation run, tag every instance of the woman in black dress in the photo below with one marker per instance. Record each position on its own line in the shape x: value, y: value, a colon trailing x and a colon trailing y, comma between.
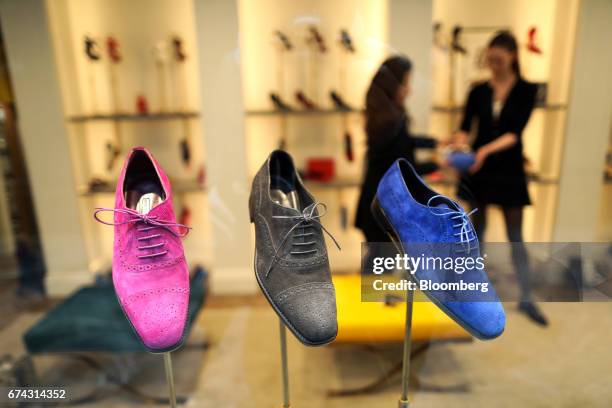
x: 501, y: 107
x: 388, y: 137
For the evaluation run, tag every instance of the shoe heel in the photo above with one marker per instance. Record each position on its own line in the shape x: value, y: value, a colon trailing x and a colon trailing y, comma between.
x: 381, y: 219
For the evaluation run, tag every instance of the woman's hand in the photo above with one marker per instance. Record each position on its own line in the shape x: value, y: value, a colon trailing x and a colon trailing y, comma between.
x: 459, y: 139
x: 479, y: 159
x: 504, y: 142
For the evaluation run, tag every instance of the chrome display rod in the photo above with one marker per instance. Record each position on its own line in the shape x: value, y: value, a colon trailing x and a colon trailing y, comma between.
x: 403, y: 401
x: 283, y: 347
x: 170, y: 379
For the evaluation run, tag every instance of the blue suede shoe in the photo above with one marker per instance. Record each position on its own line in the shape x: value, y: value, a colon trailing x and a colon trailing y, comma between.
x: 426, y: 225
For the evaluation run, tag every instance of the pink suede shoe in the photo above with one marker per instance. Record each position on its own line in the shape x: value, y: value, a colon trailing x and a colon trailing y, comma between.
x: 150, y: 272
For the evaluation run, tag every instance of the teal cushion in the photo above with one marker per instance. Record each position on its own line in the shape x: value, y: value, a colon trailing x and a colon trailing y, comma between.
x: 92, y: 320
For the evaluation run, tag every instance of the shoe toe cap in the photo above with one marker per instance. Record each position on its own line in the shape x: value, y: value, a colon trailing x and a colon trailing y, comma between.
x: 485, y: 320
x: 311, y: 310
x: 159, y: 316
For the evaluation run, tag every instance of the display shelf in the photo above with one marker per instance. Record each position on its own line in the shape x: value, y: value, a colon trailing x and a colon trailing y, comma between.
x: 103, y: 103
x: 178, y: 187
x: 459, y: 109
x: 134, y: 117
x: 302, y: 112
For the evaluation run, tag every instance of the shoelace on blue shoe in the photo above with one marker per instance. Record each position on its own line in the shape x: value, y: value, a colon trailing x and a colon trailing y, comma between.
x: 304, y: 220
x: 150, y: 221
x: 464, y: 225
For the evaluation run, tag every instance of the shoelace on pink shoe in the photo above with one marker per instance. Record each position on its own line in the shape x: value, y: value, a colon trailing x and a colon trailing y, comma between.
x: 304, y: 220
x: 152, y: 221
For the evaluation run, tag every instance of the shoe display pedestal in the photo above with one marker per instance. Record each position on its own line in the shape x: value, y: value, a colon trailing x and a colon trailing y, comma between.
x: 284, y: 364
x: 170, y: 379
x: 403, y: 401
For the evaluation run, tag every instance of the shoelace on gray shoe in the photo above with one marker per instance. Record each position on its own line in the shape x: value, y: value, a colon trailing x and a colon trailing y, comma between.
x: 464, y: 224
x: 304, y: 220
x: 150, y: 221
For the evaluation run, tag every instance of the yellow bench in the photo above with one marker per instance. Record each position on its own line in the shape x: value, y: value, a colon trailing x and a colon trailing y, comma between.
x: 369, y: 323
x: 377, y: 322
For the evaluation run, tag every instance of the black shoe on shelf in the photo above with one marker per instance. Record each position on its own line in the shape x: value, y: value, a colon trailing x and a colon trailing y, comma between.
x: 112, y: 153
x: 317, y: 38
x: 97, y: 185
x: 91, y: 49
x: 185, y: 152
x: 532, y: 312
x: 348, y: 146
x: 346, y: 41
x: 338, y: 101
x: 456, y: 45
x: 278, y: 102
x: 284, y: 40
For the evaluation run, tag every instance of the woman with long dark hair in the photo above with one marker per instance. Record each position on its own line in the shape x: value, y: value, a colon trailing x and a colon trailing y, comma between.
x: 388, y: 137
x: 502, y: 107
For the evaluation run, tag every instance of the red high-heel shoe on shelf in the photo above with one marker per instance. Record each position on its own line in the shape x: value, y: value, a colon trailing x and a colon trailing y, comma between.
x: 304, y: 101
x: 531, y: 41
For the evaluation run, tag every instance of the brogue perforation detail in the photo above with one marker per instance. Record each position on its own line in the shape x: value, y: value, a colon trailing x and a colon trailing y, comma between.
x: 306, y: 287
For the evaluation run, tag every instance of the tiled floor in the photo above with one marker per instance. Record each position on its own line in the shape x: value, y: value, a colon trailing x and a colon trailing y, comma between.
x: 566, y: 365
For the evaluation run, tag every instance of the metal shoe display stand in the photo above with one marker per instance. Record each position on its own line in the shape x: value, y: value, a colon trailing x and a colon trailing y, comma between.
x: 403, y: 401
x: 404, y: 366
x: 170, y: 379
x: 284, y: 365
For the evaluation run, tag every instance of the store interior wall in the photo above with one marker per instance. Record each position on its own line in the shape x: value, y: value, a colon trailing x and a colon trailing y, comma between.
x: 42, y: 129
x: 543, y: 136
x: 313, y: 136
x: 86, y: 90
x: 378, y: 29
x: 588, y: 119
x: 221, y: 95
x: 409, y: 26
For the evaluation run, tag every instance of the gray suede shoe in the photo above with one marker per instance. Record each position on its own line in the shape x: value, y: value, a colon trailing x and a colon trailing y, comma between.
x: 291, y: 264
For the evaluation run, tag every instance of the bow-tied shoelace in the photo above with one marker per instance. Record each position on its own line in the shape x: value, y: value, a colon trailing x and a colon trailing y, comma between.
x: 144, y: 223
x: 304, y: 220
x: 466, y: 233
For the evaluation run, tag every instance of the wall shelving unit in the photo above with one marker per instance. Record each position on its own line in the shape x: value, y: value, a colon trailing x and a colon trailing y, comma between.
x: 100, y: 104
